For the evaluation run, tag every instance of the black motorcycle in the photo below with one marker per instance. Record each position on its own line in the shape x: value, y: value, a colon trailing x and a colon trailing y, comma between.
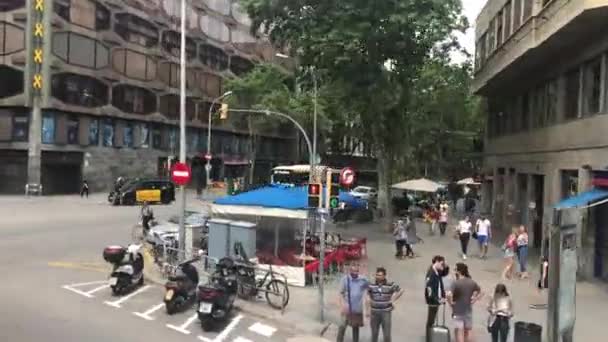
x: 216, y: 298
x: 180, y: 290
x: 128, y: 268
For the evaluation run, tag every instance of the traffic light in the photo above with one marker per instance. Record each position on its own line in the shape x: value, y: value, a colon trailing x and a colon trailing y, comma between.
x: 314, y: 195
x: 334, y: 193
x: 224, y: 111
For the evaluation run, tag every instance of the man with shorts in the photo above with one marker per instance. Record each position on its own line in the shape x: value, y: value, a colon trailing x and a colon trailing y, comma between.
x: 483, y: 228
x: 463, y: 294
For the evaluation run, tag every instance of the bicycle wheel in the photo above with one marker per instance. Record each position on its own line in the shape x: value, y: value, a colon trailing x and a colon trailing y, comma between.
x: 277, y: 292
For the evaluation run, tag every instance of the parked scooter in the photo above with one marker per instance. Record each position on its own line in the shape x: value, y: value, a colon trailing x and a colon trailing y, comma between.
x: 180, y: 291
x: 128, y: 267
x: 216, y: 298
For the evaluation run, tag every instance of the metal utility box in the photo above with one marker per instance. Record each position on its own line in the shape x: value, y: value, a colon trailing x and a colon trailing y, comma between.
x: 223, y: 234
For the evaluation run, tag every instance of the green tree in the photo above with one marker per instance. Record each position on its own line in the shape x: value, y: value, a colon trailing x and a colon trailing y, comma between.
x: 352, y: 41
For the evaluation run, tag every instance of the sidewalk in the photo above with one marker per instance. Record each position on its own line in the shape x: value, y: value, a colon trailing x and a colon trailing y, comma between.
x: 410, y: 314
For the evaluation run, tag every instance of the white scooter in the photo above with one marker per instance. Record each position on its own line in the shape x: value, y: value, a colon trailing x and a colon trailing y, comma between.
x: 128, y: 268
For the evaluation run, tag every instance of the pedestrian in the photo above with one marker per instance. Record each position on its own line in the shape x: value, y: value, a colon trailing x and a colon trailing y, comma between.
x: 483, y: 228
x: 509, y: 248
x: 463, y: 294
x: 522, y: 251
x: 352, y: 290
x: 380, y: 303
x: 400, y: 235
x: 146, y: 216
x: 464, y: 234
x: 543, y: 281
x: 434, y: 293
x: 85, y: 189
x: 443, y: 218
x: 411, y: 238
x: 434, y: 219
x: 500, y: 308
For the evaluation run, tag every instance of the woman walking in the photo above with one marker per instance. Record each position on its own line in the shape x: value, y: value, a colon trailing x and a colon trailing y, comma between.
x: 509, y: 248
x: 501, y: 311
x: 464, y: 233
x: 400, y: 235
x: 522, y: 251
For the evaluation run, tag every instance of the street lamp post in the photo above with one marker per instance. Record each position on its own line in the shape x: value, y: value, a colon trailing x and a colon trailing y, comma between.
x: 182, y: 132
x: 208, y: 165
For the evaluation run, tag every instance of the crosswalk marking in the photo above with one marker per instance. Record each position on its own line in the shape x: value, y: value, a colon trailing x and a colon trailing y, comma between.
x: 146, y: 315
x: 117, y: 303
x: 262, y: 329
x: 182, y: 328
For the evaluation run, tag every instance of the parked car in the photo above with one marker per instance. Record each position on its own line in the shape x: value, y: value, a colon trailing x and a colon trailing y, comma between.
x: 364, y: 192
x: 165, y: 231
x: 140, y: 190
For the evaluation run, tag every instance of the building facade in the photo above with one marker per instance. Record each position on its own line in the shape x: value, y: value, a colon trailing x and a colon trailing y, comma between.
x: 108, y: 91
x: 542, y: 67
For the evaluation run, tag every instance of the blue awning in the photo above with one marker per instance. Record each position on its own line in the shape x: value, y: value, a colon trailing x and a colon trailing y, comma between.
x: 583, y: 199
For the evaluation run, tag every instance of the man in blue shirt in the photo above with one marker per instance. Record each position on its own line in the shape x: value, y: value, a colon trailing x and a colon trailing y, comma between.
x: 352, y: 291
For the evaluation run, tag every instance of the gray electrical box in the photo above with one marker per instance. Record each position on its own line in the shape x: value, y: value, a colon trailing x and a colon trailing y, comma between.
x: 223, y: 234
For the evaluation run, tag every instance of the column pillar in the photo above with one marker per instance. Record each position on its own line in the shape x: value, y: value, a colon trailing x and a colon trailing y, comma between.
x: 585, y: 232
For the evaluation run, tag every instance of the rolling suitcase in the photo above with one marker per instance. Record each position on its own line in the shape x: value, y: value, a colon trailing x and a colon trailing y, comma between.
x: 440, y: 333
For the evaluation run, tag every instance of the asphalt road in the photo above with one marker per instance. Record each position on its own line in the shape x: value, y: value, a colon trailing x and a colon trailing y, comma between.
x: 53, y: 285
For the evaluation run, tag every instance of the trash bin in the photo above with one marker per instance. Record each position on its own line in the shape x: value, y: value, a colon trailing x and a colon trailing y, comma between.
x: 528, y: 332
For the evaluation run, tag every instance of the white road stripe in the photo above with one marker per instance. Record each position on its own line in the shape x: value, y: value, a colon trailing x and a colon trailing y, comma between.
x: 98, y: 289
x: 262, y: 329
x: 241, y: 339
x: 117, y: 303
x: 89, y: 283
x: 67, y: 287
x: 182, y: 328
x: 221, y: 336
x: 146, y: 315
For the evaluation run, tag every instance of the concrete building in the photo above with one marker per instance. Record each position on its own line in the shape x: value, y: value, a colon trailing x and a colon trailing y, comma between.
x: 542, y: 67
x: 109, y: 91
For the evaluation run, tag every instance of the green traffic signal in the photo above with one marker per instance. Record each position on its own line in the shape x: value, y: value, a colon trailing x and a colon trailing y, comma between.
x: 334, y: 202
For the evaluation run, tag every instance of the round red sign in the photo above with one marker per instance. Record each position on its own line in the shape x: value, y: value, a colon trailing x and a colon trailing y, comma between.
x: 347, y: 176
x: 181, y: 174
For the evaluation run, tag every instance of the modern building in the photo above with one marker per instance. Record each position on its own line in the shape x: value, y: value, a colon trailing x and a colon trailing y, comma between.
x: 542, y: 67
x: 105, y: 74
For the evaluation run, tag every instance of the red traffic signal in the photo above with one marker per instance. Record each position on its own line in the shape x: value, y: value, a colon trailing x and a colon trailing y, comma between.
x: 314, y: 189
x: 314, y: 195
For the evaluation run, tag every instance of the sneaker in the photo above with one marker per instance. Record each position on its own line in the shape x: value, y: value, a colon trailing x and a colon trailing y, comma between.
x: 464, y: 257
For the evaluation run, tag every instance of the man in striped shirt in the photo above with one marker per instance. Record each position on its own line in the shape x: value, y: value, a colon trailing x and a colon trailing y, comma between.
x: 381, y: 298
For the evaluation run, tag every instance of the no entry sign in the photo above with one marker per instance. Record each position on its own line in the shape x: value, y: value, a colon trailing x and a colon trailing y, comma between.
x: 347, y: 177
x: 181, y: 174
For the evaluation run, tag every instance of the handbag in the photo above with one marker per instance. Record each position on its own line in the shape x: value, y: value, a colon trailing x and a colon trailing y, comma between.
x: 490, y: 322
x: 475, y: 235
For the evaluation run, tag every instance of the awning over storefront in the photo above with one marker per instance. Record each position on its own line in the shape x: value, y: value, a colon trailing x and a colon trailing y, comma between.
x: 585, y: 199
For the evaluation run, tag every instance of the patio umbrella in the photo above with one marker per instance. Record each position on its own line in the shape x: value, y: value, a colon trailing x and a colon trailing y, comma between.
x: 468, y: 181
x: 420, y: 185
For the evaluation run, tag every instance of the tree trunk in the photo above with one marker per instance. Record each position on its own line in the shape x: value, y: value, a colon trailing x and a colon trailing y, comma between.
x: 384, y: 187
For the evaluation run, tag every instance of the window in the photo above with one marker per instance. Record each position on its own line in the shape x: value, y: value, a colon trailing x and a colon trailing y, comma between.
x: 220, y: 6
x: 136, y: 30
x: 131, y: 99
x: 172, y: 138
x: 507, y: 14
x: 80, y: 50
x: 72, y: 127
x: 240, y: 66
x: 9, y: 5
x: 572, y: 93
x: 12, y: 81
x: 527, y: 9
x: 79, y: 90
x: 171, y: 43
x: 214, y: 28
x: 134, y: 64
x: 482, y: 50
x: 169, y: 74
x: 540, y: 102
x: 591, y: 90
x: 107, y: 128
x: 551, y: 110
x: 213, y: 57
x: 169, y: 106
x: 21, y: 127
x: 157, y: 137
x: 12, y: 38
x: 144, y: 137
x: 525, y: 112
x: 210, y: 84
x: 516, y: 14
x: 48, y: 128
x: 94, y: 132
x: 85, y: 13
x: 499, y: 31
x: 127, y: 136
x: 491, y: 36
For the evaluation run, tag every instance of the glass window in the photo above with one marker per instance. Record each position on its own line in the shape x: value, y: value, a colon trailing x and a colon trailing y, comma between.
x: 499, y: 26
x: 12, y: 81
x: 157, y: 138
x: 172, y: 138
x: 128, y: 135
x: 552, y: 102
x: 80, y: 50
x: 220, y: 6
x: 591, y: 90
x: 491, y: 36
x: 508, y: 15
x: 48, y: 128
x: 9, y: 5
x: 108, y: 132
x: 572, y: 93
x: 169, y: 74
x: 21, y: 127
x: 171, y: 42
x: 94, y: 132
x: 134, y: 64
x: 214, y: 28
x: 240, y: 66
x: 136, y: 30
x: 85, y: 13
x: 12, y: 38
x: 516, y: 14
x: 79, y: 90
x: 145, y: 136
x: 72, y: 127
x: 131, y: 99
x: 213, y: 57
x: 527, y: 11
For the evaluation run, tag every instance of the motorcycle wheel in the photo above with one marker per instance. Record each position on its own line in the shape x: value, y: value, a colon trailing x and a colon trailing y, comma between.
x: 141, y: 280
x: 207, y: 324
x: 275, y: 289
x: 171, y: 307
x: 116, y: 290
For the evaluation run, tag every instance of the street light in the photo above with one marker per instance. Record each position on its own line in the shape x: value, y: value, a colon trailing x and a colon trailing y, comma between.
x: 208, y: 156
